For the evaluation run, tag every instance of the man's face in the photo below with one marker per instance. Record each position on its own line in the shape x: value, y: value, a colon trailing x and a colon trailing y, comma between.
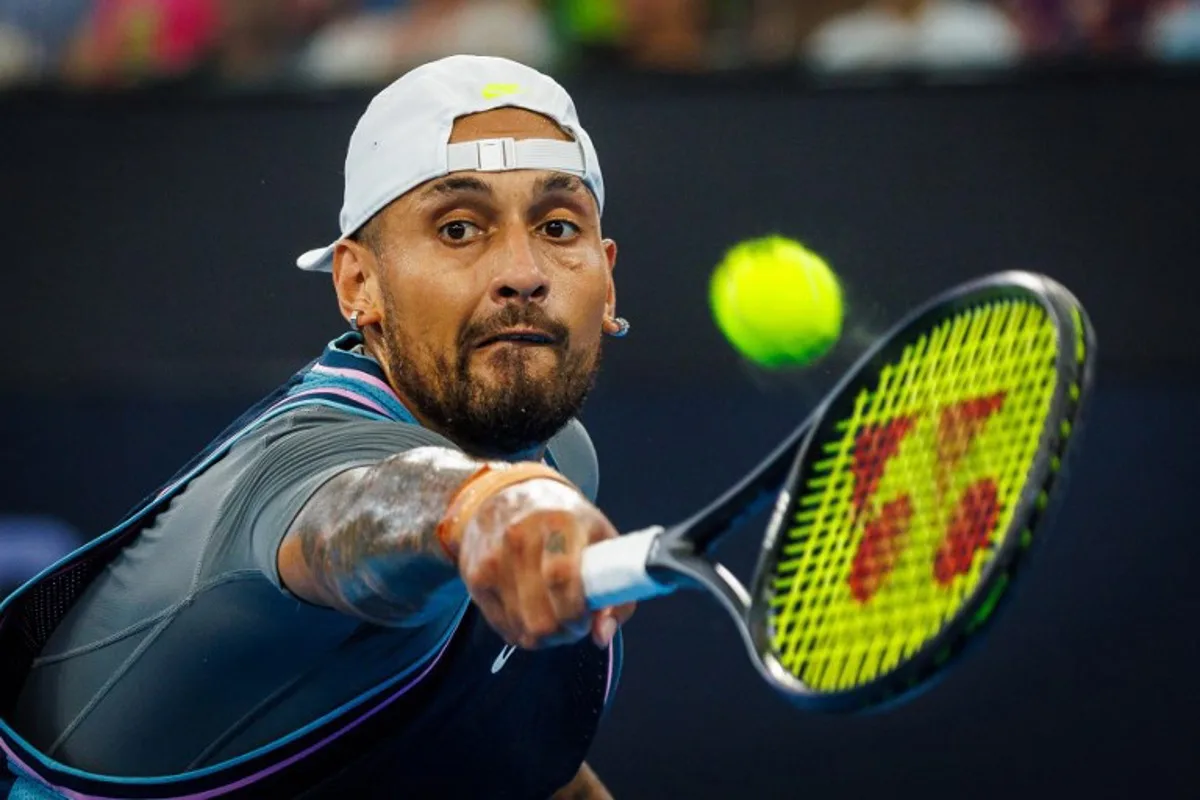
x: 487, y: 293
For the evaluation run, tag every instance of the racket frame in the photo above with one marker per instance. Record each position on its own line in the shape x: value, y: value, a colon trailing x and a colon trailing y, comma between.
x: 677, y: 558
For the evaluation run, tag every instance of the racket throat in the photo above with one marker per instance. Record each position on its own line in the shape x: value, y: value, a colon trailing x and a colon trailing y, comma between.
x: 673, y: 561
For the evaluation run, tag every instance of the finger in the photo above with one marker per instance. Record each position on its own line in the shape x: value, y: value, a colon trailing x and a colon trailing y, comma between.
x: 561, y: 559
x: 538, y: 619
x: 557, y: 562
x: 535, y: 615
x: 606, y: 622
x: 604, y: 628
x: 491, y: 583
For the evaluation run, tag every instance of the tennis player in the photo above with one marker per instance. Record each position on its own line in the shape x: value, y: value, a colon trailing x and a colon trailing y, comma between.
x: 369, y: 585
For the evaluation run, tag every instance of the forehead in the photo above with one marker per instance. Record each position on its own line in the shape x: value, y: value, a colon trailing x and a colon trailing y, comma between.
x: 498, y: 123
x: 498, y: 187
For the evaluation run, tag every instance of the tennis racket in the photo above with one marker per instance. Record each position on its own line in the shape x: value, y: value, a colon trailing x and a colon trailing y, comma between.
x: 904, y: 505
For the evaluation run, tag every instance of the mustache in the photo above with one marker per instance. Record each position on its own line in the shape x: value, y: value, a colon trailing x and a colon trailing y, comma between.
x: 514, y: 316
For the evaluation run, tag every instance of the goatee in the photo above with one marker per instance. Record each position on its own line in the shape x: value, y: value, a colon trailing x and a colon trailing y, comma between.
x: 486, y: 419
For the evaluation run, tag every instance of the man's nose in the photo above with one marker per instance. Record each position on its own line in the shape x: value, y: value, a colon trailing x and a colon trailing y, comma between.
x: 519, y: 275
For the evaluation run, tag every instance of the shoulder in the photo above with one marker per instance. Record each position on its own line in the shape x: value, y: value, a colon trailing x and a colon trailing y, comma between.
x: 574, y: 455
x: 287, y: 458
x: 330, y: 432
x: 273, y: 471
x: 320, y: 415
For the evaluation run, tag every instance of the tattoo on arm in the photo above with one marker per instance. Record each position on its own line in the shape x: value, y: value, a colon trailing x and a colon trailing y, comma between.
x: 368, y: 538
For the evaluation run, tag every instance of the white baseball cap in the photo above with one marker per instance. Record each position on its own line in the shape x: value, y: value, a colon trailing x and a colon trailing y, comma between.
x: 403, y: 138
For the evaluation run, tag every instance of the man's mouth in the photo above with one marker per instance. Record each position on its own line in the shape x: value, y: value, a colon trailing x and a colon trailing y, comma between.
x: 519, y: 336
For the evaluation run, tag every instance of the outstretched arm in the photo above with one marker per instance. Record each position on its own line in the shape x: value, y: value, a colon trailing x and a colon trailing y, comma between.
x: 395, y: 543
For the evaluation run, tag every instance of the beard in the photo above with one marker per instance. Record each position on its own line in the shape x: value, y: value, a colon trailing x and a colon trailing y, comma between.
x: 518, y: 413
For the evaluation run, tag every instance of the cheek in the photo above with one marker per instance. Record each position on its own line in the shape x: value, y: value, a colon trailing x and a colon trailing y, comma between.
x: 589, y: 296
x: 428, y: 305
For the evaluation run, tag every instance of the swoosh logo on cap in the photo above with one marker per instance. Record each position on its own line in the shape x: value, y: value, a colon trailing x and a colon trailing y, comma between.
x: 494, y: 90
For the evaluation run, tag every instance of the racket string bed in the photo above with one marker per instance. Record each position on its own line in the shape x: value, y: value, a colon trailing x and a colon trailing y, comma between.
x: 911, y: 498
x: 942, y: 442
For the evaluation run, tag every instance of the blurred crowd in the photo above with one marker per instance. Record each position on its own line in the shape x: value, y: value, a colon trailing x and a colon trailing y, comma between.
x: 121, y: 43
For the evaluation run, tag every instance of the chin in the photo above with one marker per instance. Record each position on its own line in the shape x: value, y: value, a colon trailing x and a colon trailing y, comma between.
x: 508, y: 362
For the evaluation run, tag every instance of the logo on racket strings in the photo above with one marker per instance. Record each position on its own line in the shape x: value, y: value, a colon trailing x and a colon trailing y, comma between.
x: 887, y: 524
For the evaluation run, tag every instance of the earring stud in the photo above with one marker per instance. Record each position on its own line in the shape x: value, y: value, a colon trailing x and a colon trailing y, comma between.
x: 622, y: 328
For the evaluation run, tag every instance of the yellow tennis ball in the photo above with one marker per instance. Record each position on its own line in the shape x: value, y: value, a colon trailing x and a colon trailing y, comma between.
x: 777, y: 302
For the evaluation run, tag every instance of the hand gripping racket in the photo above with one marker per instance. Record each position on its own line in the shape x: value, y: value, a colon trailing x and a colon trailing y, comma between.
x: 903, y: 506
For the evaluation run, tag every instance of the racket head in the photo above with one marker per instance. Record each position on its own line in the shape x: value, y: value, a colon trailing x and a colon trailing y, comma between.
x: 916, y: 495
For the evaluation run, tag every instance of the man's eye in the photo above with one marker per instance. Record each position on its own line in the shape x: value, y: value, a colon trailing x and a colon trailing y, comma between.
x: 560, y: 229
x: 459, y: 230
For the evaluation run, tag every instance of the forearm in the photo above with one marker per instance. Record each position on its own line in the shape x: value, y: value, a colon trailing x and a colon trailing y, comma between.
x: 585, y: 786
x: 366, y: 543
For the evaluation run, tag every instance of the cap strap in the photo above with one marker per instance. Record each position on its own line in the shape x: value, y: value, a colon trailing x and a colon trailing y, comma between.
x: 496, y: 155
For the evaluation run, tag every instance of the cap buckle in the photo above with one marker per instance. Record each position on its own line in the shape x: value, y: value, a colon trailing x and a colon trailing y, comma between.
x: 497, y: 155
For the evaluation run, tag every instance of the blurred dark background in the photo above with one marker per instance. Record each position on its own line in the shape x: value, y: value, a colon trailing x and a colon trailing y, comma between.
x: 162, y: 163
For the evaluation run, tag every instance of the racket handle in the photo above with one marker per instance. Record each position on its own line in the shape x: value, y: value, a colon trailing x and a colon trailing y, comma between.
x: 614, y: 571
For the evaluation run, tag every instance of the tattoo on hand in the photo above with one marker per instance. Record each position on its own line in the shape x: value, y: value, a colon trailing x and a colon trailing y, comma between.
x: 555, y: 543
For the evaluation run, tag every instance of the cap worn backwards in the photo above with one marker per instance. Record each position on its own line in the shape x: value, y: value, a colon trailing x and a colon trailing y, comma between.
x: 403, y: 138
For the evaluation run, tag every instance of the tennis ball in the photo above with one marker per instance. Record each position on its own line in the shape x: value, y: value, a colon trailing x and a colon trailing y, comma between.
x: 777, y: 302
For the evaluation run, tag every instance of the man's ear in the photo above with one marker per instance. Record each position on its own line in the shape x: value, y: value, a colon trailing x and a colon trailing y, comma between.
x: 356, y: 281
x: 610, y: 254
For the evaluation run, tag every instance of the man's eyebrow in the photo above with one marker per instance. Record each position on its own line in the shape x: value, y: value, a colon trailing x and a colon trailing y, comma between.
x: 560, y: 182
x: 456, y: 185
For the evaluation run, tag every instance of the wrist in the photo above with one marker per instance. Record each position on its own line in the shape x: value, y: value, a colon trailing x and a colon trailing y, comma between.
x: 487, y: 482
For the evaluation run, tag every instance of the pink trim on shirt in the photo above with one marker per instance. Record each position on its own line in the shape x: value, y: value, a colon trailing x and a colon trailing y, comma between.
x: 612, y: 647
x: 356, y: 375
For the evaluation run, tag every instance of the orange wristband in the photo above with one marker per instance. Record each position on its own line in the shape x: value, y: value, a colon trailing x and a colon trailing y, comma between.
x: 479, y: 487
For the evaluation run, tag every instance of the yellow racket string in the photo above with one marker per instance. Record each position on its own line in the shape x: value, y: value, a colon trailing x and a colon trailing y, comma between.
x: 900, y: 516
